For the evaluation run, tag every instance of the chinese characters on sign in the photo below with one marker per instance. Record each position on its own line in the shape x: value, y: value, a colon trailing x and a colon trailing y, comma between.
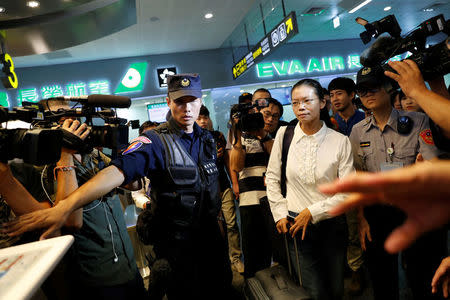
x: 56, y: 90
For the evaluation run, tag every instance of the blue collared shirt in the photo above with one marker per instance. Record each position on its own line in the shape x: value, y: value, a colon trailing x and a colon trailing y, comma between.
x: 346, y: 127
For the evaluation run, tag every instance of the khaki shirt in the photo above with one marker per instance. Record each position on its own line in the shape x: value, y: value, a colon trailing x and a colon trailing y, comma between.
x: 370, y: 145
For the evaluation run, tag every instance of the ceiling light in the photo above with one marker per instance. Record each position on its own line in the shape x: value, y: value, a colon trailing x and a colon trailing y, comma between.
x: 33, y: 4
x: 2, y: 9
x: 387, y: 8
x: 336, y: 22
x: 359, y: 6
x: 209, y: 16
x: 428, y: 9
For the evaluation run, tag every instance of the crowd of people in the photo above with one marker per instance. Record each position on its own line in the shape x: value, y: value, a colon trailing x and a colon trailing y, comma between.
x: 359, y: 175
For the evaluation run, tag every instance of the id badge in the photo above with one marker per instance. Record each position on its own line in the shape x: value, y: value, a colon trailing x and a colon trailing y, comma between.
x: 390, y: 166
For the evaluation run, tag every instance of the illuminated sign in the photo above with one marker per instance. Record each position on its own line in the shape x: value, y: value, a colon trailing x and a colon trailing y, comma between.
x: 70, y: 89
x: 162, y: 75
x: 133, y: 80
x: 4, y: 99
x: 10, y: 81
x: 314, y: 64
x: 285, y: 30
x: 327, y: 64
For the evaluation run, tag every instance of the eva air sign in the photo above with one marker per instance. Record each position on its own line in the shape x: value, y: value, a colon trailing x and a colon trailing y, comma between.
x: 134, y: 78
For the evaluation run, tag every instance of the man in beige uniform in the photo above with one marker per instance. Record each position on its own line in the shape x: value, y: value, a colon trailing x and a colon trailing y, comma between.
x: 386, y: 140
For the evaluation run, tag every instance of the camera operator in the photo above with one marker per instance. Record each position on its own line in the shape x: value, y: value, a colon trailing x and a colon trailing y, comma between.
x: 101, y: 263
x: 390, y: 139
x: 249, y: 158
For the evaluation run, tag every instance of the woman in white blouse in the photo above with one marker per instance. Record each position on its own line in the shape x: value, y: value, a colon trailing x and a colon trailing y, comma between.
x: 317, y: 154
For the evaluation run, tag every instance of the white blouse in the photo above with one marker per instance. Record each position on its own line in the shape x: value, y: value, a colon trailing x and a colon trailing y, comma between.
x: 312, y: 160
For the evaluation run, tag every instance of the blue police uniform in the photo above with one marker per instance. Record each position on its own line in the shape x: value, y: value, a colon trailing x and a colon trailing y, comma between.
x: 181, y: 167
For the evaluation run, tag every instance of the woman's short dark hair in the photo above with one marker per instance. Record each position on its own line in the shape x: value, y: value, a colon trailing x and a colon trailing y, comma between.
x: 324, y: 116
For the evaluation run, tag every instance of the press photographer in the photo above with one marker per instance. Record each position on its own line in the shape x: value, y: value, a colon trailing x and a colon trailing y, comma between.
x: 249, y: 157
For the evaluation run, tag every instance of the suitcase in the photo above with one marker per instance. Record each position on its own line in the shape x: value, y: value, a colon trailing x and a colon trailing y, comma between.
x: 275, y: 283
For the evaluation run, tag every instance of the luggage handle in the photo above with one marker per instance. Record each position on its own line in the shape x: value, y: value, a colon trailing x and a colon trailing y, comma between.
x: 300, y: 281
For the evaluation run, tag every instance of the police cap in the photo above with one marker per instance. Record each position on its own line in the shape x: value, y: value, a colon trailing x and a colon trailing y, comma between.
x: 181, y: 85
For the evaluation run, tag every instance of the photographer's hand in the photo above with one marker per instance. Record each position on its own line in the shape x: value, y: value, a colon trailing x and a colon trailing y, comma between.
x: 74, y: 127
x: 421, y: 190
x: 409, y: 77
x: 436, y: 106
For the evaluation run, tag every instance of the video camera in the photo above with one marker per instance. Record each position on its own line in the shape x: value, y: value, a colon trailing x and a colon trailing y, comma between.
x: 42, y: 145
x: 432, y: 61
x: 38, y: 146
x: 248, y: 119
x: 112, y: 134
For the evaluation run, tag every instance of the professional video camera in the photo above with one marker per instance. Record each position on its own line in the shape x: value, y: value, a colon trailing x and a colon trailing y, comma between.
x: 38, y: 146
x: 112, y: 134
x: 432, y: 61
x: 248, y: 120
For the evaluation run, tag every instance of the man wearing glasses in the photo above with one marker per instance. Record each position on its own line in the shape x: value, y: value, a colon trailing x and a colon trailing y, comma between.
x: 272, y: 114
x: 386, y: 140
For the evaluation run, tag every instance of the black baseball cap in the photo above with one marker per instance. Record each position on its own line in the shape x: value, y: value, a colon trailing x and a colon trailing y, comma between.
x: 245, y: 97
x: 181, y: 85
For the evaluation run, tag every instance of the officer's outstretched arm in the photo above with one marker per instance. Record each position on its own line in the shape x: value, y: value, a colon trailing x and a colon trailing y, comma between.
x: 54, y: 218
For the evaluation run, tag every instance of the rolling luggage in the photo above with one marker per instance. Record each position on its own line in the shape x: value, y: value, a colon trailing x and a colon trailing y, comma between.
x: 275, y: 283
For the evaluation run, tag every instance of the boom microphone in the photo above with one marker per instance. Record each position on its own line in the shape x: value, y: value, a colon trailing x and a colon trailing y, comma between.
x: 99, y: 100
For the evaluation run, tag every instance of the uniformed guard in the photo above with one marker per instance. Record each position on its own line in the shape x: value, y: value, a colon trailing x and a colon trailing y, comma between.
x: 386, y: 140
x: 179, y: 159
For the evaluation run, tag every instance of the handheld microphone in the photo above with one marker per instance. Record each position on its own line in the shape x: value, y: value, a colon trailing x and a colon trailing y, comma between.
x: 99, y: 100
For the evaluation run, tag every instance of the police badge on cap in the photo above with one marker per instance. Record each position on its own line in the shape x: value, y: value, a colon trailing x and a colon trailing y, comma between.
x: 181, y: 85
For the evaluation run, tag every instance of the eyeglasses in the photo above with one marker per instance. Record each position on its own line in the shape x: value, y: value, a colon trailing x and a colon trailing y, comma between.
x: 306, y: 102
x: 268, y: 114
x: 364, y: 91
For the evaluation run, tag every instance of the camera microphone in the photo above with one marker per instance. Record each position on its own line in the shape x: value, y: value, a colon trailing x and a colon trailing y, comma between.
x: 99, y: 100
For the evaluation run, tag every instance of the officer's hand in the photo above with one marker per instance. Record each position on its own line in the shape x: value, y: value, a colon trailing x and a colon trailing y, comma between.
x: 364, y: 231
x: 442, y: 277
x: 421, y: 190
x: 51, y: 218
x: 282, y: 225
x: 301, y: 222
x: 409, y: 77
x: 74, y: 127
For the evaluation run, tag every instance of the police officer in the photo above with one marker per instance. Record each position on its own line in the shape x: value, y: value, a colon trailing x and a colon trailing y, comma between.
x: 387, y: 140
x: 179, y: 159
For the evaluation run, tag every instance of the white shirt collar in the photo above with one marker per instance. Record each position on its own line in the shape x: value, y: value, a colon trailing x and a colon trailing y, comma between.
x: 318, y: 136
